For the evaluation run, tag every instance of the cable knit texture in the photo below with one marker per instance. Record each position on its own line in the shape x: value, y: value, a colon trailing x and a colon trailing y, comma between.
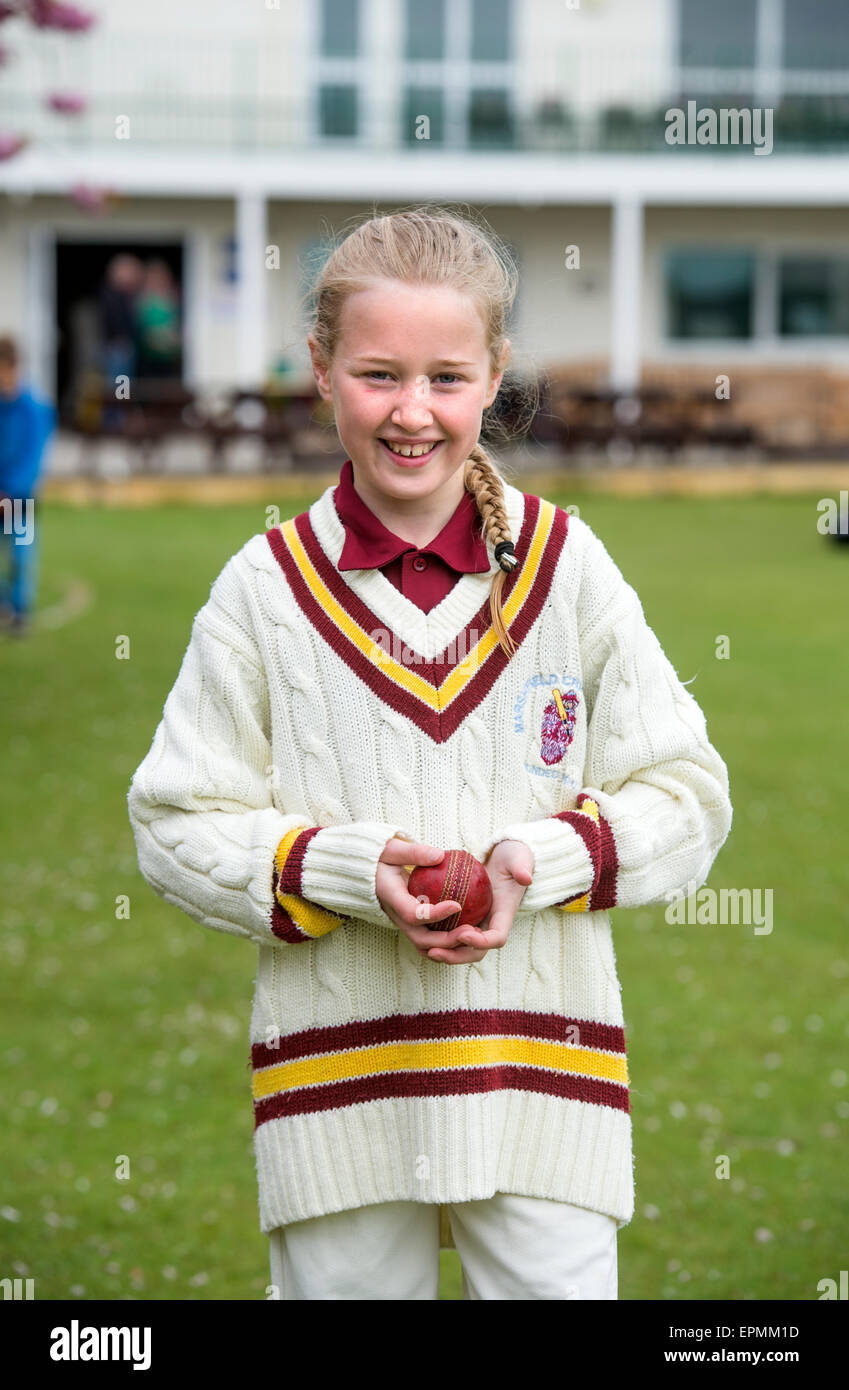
x: 318, y: 713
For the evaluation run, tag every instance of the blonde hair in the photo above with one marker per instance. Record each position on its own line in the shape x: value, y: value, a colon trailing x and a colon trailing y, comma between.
x: 431, y: 245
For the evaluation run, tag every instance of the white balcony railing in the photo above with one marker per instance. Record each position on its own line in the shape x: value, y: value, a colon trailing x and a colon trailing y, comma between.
x: 238, y: 96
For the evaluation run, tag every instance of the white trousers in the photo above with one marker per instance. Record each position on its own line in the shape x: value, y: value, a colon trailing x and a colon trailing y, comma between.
x: 510, y: 1247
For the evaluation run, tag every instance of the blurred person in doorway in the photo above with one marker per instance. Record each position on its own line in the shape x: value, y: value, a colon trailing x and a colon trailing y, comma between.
x: 117, y: 314
x: 158, y: 322
x: 26, y: 423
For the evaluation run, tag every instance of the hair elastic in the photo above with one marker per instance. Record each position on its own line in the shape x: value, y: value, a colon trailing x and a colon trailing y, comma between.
x: 507, y: 549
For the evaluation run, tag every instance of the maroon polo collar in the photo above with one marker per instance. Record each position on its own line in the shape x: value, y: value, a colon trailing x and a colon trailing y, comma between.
x: 370, y: 545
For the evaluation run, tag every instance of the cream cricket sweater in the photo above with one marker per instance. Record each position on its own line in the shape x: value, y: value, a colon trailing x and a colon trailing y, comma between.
x: 315, y: 715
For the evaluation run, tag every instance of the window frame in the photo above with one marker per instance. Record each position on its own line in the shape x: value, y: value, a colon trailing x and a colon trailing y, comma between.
x: 820, y: 72
x: 455, y: 74
x: 803, y: 253
x: 326, y: 71
x: 765, y: 339
x: 675, y: 246
x: 770, y: 78
x: 335, y: 57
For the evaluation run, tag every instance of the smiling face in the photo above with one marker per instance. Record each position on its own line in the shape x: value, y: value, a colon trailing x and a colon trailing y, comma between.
x: 411, y: 368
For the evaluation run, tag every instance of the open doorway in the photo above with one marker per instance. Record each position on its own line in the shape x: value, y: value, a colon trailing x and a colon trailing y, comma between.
x: 119, y: 307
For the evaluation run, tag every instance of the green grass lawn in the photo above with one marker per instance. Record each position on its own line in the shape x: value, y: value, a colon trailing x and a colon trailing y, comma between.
x: 129, y: 1037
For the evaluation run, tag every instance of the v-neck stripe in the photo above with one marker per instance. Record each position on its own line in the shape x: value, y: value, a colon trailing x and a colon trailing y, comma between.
x: 437, y: 693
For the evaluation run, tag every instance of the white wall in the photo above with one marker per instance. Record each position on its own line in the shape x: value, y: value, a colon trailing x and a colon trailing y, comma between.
x: 174, y: 52
x: 602, y: 53
x: 561, y: 313
x: 564, y: 315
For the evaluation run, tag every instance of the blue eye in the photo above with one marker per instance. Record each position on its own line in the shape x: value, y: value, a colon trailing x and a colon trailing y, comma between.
x: 441, y: 377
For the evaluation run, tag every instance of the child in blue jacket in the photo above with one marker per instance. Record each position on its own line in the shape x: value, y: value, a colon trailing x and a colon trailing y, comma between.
x: 26, y: 424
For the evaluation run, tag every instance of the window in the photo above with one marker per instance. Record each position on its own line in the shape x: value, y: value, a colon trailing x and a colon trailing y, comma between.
x: 491, y: 38
x: 456, y: 68
x: 458, y: 71
x: 338, y: 109
x: 709, y: 293
x: 489, y: 118
x: 718, y: 35
x: 813, y: 296
x: 791, y: 55
x: 339, y: 69
x: 816, y: 35
x: 722, y: 293
x: 424, y: 29
x: 425, y: 101
x: 340, y: 23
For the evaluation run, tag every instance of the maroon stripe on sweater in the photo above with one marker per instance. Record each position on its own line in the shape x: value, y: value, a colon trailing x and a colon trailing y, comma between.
x: 460, y: 1081
x: 377, y: 681
x: 438, y: 725
x: 588, y: 831
x: 290, y: 879
x: 284, y: 927
x: 282, y: 924
x: 354, y: 606
x: 602, y: 850
x: 604, y: 889
x: 450, y: 1023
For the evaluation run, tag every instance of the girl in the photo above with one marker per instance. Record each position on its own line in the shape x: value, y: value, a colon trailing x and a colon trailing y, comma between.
x: 429, y: 659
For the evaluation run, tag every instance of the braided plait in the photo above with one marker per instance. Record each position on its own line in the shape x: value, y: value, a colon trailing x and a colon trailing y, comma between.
x: 485, y: 484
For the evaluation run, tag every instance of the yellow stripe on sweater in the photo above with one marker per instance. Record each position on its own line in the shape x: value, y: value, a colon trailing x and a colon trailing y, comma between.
x: 284, y: 849
x: 313, y: 920
x: 403, y: 675
x: 589, y: 808
x: 429, y: 1055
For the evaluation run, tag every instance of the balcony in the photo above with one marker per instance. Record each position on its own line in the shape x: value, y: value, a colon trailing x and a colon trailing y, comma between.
x: 225, y: 98
x: 231, y: 124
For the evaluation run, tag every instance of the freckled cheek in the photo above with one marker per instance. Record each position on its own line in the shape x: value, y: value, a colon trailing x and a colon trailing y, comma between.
x: 458, y: 416
x: 363, y: 408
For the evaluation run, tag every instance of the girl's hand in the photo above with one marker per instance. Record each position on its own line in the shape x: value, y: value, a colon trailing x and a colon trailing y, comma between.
x: 510, y: 871
x: 510, y: 868
x: 398, y: 903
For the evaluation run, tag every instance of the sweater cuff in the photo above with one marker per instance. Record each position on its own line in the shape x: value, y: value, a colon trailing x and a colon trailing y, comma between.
x: 327, y: 875
x: 574, y: 859
x: 294, y: 918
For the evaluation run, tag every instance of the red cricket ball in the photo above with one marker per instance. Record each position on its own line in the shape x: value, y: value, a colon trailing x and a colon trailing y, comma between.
x: 459, y: 878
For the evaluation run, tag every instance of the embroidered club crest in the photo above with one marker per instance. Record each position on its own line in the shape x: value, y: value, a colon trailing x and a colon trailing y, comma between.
x: 558, y: 725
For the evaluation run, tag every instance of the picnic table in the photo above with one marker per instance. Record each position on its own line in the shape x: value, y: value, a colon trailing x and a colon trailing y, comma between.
x: 568, y: 417
x: 160, y: 410
x: 653, y: 416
